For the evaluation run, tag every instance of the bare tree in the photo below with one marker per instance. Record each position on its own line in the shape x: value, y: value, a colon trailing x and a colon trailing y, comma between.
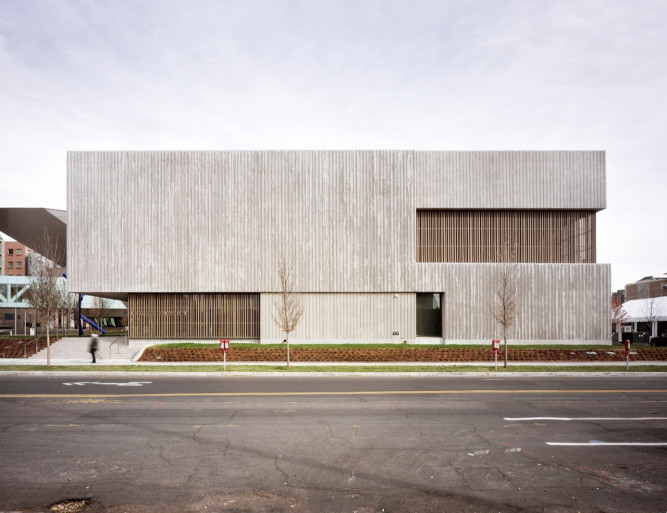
x: 504, y: 303
x: 652, y: 310
x: 618, y: 315
x: 101, y: 307
x: 68, y: 304
x: 288, y: 305
x: 44, y: 294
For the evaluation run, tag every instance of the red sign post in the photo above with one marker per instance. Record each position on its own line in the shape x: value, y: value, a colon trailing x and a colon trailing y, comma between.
x: 495, y: 345
x: 224, y: 347
x: 627, y: 355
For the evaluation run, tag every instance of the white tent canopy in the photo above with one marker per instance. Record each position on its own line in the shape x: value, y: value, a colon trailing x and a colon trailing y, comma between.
x: 639, y: 310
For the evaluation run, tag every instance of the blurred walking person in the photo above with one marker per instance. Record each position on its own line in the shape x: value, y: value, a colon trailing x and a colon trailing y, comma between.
x: 93, y: 345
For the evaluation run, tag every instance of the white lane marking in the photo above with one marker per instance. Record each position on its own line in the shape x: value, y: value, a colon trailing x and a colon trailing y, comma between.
x: 126, y: 384
x: 479, y: 453
x: 513, y: 449
x: 567, y: 419
x: 607, y: 444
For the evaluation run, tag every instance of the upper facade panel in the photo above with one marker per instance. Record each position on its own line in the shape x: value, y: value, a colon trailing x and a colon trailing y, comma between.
x: 510, y: 180
x: 219, y: 221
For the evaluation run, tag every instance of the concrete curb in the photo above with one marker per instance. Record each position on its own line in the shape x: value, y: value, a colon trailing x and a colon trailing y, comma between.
x: 338, y: 374
x: 139, y: 354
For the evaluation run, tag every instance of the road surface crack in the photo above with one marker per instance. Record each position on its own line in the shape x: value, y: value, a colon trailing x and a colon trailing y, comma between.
x: 466, y: 484
x: 195, y: 471
x: 196, y: 433
x: 284, y: 474
x: 328, y: 428
x: 161, y: 454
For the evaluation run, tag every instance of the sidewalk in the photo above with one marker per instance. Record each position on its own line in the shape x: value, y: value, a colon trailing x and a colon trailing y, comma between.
x: 111, y: 361
x: 74, y: 351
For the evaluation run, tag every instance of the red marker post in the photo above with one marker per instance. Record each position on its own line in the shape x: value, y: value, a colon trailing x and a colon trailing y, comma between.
x: 627, y: 355
x: 495, y: 345
x: 224, y: 347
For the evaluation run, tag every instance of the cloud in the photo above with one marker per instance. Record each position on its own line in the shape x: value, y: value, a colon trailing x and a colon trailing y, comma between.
x: 375, y: 74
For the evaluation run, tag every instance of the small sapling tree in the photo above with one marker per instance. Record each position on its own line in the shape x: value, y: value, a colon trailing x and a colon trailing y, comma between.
x: 504, y: 303
x: 287, y: 305
x: 101, y: 307
x: 652, y: 311
x: 44, y: 294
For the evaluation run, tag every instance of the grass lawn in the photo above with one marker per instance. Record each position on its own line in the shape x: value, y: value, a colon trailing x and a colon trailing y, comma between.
x: 331, y: 368
x: 395, y: 346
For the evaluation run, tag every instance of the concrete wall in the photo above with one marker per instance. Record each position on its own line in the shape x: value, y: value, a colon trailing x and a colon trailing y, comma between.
x: 556, y: 302
x: 217, y: 221
x: 346, y: 318
x: 510, y: 179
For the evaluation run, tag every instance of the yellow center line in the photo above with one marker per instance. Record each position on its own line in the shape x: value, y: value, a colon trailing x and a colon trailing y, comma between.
x: 329, y: 393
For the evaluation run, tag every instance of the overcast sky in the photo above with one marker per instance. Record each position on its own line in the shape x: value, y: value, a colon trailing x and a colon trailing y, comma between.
x: 436, y: 75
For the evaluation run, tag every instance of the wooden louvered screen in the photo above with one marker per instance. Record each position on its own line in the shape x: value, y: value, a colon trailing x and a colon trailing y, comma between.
x: 531, y: 236
x: 198, y: 316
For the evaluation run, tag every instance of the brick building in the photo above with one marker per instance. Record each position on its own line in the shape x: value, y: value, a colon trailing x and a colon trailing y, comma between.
x: 14, y: 259
x: 646, y: 288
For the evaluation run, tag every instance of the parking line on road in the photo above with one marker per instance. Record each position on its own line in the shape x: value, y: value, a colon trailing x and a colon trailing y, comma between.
x: 331, y: 393
x: 568, y: 419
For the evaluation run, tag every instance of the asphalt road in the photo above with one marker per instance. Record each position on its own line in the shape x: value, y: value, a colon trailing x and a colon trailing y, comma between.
x: 334, y: 444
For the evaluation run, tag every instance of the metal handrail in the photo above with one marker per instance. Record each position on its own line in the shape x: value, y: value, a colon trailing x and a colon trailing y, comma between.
x: 124, y: 337
x: 25, y: 345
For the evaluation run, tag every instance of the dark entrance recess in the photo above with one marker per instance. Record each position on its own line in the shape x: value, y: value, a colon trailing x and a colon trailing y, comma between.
x: 429, y: 315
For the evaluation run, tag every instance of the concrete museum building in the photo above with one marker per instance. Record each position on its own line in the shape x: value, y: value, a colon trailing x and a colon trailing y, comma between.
x: 385, y: 245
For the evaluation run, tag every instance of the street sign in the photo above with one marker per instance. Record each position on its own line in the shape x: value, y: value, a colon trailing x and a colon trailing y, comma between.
x: 224, y: 347
x: 495, y: 345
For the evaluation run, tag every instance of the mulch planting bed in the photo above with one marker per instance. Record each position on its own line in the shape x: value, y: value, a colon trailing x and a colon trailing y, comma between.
x: 398, y: 354
x: 14, y: 348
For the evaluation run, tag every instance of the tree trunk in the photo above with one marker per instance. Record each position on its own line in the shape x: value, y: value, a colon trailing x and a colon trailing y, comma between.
x: 48, y: 347
x: 287, y: 341
x: 505, y: 339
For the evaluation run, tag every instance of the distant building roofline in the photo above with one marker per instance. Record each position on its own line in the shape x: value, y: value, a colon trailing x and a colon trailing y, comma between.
x: 27, y: 226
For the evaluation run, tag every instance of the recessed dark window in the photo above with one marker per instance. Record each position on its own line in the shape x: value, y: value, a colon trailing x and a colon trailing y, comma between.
x: 429, y: 315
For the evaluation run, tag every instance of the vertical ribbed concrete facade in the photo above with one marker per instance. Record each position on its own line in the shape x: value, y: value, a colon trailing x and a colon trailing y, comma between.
x: 218, y: 221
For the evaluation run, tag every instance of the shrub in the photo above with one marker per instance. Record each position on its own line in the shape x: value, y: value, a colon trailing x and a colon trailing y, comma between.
x: 659, y: 341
